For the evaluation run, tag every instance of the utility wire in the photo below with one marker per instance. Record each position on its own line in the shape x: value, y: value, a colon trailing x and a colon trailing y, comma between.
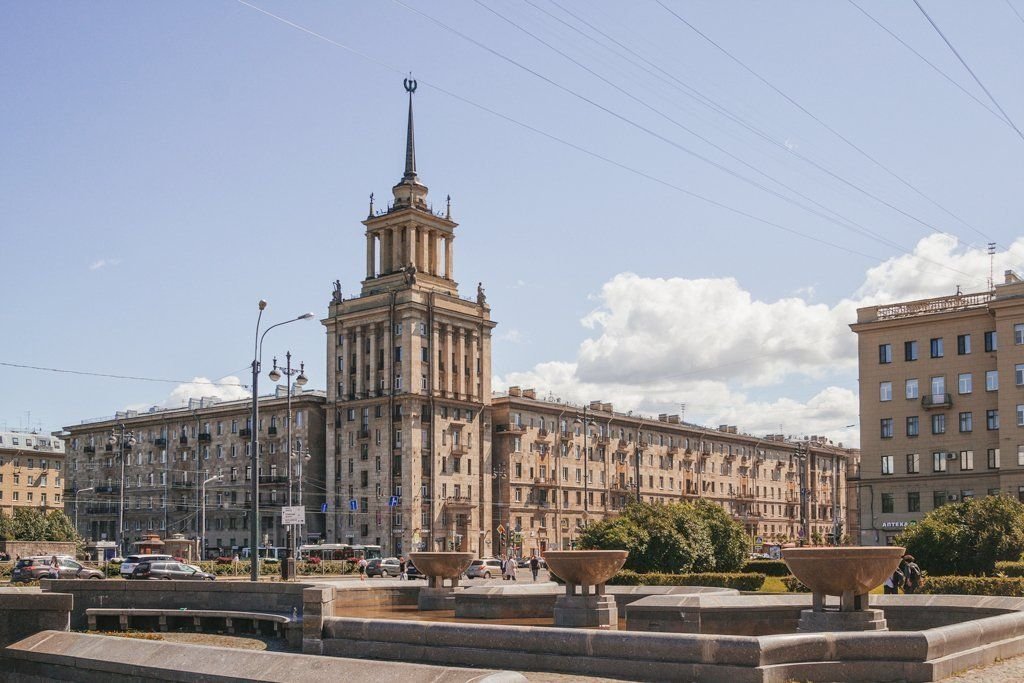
x: 931, y: 64
x: 969, y: 69
x: 1014, y: 10
x: 821, y: 122
x: 140, y: 379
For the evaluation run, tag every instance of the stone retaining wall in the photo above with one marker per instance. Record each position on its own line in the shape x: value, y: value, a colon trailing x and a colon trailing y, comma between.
x: 29, y: 548
x: 24, y: 611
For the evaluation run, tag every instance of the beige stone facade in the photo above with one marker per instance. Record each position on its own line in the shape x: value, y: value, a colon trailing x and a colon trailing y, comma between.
x: 179, y: 448
x: 941, y: 404
x: 31, y: 471
x: 409, y: 386
x: 552, y: 474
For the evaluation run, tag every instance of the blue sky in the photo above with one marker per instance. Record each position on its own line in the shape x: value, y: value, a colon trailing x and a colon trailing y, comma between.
x: 165, y: 165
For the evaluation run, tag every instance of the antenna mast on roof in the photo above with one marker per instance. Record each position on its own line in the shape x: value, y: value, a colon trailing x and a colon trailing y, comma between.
x: 991, y: 265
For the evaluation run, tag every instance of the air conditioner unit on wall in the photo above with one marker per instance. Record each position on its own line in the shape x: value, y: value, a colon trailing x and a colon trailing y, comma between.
x: 952, y: 497
x: 949, y: 456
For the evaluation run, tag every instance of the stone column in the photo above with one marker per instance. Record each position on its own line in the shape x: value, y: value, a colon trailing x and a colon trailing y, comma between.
x: 396, y: 249
x: 371, y: 390
x: 346, y: 362
x: 410, y: 234
x: 360, y: 388
x: 388, y: 345
x: 370, y: 260
x: 448, y: 257
x: 474, y: 356
x: 435, y: 265
x: 461, y: 351
x: 436, y: 346
x: 413, y: 361
x: 423, y: 242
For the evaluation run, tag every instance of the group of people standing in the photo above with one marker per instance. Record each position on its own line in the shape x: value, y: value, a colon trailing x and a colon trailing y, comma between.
x: 510, y: 565
x: 907, y: 577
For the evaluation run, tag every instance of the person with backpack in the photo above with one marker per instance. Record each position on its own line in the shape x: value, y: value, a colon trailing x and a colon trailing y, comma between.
x: 911, y: 573
x: 893, y: 584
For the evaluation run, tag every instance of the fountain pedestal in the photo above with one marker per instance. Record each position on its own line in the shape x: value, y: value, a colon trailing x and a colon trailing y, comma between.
x: 850, y: 574
x: 586, y: 571
x: 437, y: 567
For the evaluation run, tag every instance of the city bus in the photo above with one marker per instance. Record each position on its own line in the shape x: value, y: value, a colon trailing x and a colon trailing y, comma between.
x: 339, y: 552
x: 267, y: 553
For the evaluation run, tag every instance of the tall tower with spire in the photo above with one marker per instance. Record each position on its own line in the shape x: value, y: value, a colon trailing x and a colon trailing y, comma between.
x: 409, y: 386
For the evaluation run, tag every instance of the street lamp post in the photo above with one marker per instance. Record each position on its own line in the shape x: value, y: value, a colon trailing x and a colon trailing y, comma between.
x: 254, y: 456
x: 125, y: 437
x: 300, y: 381
x: 202, y: 509
x: 77, y: 491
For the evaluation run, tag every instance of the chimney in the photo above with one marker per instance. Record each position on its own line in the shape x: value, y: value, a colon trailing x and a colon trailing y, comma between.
x: 512, y: 391
x: 530, y: 393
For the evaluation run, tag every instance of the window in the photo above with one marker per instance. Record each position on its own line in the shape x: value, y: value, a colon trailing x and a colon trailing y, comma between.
x: 937, y: 348
x: 887, y: 502
x: 966, y: 460
x: 1018, y: 333
x: 1020, y: 415
x: 398, y: 329
x: 911, y: 389
x: 885, y: 391
x: 913, y: 426
x: 938, y: 461
x: 913, y: 463
x: 886, y: 427
x: 1018, y: 371
x: 939, y: 389
x: 939, y: 423
x: 887, y: 464
x: 965, y: 383
x: 938, y: 498
x: 963, y: 344
x: 913, y: 501
x: 910, y: 350
x: 966, y: 422
x: 992, y: 380
x: 992, y: 419
x: 884, y: 353
x: 990, y: 341
x: 1020, y: 454
x: 993, y: 458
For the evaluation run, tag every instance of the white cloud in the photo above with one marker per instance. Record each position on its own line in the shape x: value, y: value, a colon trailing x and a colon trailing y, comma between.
x: 513, y: 336
x: 657, y: 342
x: 103, y: 263
x: 226, y: 389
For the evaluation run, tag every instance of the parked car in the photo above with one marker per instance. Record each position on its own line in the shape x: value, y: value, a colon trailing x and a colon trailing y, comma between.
x: 412, y: 572
x: 387, y: 566
x: 168, y: 570
x: 130, y: 562
x: 484, y: 569
x: 38, y: 567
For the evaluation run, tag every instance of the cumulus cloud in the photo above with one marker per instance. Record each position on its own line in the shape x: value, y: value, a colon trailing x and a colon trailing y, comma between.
x: 657, y: 342
x: 226, y: 389
x: 513, y: 335
x: 103, y: 263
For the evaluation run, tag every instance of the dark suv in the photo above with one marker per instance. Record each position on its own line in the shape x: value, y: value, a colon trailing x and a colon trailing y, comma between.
x: 169, y: 569
x: 35, y: 568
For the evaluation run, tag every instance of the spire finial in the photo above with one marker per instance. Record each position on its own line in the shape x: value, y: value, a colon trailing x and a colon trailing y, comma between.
x: 410, y: 139
x: 448, y: 208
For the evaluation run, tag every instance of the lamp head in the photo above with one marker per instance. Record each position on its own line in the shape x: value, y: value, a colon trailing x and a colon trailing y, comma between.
x: 263, y: 304
x: 305, y: 316
x: 275, y: 374
x: 302, y: 379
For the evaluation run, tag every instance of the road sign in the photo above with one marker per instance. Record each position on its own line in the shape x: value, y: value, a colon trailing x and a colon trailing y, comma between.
x: 392, y: 501
x: 353, y: 505
x: 323, y: 507
x: 293, y: 515
x: 501, y: 529
x: 759, y: 540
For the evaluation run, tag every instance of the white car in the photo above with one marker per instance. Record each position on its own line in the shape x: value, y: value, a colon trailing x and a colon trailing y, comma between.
x: 484, y: 569
x: 132, y: 561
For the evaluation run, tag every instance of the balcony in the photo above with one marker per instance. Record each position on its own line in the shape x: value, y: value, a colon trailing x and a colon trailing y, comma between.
x: 271, y: 431
x: 623, y: 444
x: 183, y: 440
x: 160, y: 442
x: 363, y: 434
x: 182, y: 484
x: 510, y: 428
x: 459, y: 449
x: 458, y: 502
x: 90, y: 449
x: 205, y: 437
x: 273, y: 479
x: 113, y: 488
x: 245, y: 433
x: 543, y: 434
x: 937, y: 401
x: 545, y: 481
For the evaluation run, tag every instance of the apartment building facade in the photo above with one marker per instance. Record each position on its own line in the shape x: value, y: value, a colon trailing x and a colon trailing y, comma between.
x: 170, y: 453
x: 558, y: 467
x: 941, y: 404
x: 31, y: 471
x: 409, y: 386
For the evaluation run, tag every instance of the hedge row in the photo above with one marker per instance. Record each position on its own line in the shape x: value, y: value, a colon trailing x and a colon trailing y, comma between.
x: 1010, y: 568
x: 766, y: 567
x: 5, y: 569
x: 793, y: 585
x: 974, y: 585
x: 743, y: 582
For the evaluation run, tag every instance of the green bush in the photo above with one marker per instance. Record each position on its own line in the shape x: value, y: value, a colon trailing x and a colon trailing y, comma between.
x: 967, y: 538
x: 743, y: 582
x: 1009, y: 568
x: 974, y: 585
x: 5, y: 569
x: 766, y: 567
x: 793, y: 585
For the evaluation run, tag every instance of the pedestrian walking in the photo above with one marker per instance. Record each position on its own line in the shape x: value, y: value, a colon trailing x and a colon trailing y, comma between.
x: 402, y: 569
x: 361, y: 565
x: 912, y: 574
x: 510, y: 568
x: 534, y: 567
x: 895, y: 581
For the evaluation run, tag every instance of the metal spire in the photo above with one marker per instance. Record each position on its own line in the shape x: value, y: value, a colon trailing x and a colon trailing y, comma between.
x: 410, y: 139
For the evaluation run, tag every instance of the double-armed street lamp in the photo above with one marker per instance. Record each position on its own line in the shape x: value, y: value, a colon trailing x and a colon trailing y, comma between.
x: 122, y: 439
x: 300, y: 381
x: 254, y: 456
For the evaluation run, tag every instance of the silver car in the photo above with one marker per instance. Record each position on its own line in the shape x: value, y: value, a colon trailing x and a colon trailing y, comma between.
x: 484, y: 569
x: 169, y: 571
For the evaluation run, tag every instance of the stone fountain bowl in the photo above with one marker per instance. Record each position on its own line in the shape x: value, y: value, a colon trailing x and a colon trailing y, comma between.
x: 832, y: 571
x: 445, y: 565
x: 585, y: 567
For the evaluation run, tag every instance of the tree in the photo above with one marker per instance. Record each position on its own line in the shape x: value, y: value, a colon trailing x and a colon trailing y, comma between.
x: 659, y: 538
x: 968, y: 537
x: 32, y: 524
x: 729, y: 540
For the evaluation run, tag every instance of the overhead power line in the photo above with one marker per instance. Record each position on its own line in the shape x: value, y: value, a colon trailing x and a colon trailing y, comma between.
x: 817, y: 119
x: 969, y: 69
x: 131, y: 377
